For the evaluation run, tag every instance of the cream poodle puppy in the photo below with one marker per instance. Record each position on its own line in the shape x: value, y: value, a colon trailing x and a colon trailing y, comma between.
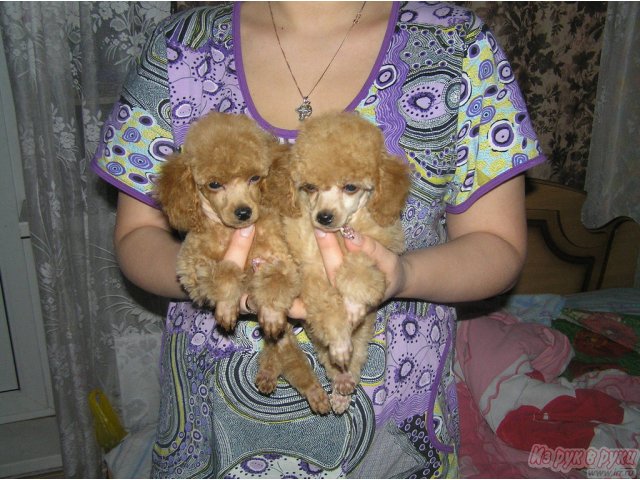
x: 340, y: 178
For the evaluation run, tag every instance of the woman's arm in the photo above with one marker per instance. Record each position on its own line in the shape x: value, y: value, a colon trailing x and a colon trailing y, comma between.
x: 146, y: 247
x: 483, y: 257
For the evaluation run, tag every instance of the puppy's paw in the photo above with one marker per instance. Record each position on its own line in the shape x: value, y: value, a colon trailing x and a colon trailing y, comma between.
x: 271, y: 321
x: 340, y: 352
x: 318, y: 400
x: 356, y: 312
x: 343, y: 384
x: 190, y: 277
x: 340, y: 403
x: 266, y: 380
x: 227, y: 314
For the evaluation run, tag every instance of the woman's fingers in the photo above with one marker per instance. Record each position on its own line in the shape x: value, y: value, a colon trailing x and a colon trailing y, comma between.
x: 388, y: 262
x: 247, y: 305
x: 331, y: 254
x: 297, y: 310
x: 239, y: 246
x: 238, y: 252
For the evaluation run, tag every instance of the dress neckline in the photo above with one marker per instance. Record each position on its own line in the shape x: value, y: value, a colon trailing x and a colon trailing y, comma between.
x: 244, y: 87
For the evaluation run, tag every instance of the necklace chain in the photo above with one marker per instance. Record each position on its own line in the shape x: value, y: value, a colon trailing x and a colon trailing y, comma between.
x: 305, y: 110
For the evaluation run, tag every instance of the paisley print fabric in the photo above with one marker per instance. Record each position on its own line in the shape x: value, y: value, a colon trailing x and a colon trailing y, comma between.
x: 445, y: 98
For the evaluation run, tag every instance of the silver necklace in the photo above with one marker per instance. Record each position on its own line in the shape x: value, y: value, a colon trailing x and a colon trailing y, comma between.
x: 305, y: 110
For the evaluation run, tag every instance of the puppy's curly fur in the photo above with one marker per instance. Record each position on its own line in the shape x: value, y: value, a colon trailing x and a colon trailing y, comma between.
x: 341, y: 175
x: 215, y: 185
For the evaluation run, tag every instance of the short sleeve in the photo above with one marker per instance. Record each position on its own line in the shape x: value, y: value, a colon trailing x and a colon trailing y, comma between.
x: 495, y: 140
x: 136, y: 136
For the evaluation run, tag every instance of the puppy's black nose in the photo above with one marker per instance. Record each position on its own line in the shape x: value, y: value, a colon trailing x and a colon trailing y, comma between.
x: 243, y: 213
x: 324, y: 218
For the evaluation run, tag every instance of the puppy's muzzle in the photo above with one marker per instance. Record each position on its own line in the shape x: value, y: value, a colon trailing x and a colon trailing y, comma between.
x: 243, y: 213
x: 325, y: 218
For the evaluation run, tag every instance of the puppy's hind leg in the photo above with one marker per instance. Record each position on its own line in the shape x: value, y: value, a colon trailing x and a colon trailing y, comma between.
x: 297, y: 370
x: 269, y: 367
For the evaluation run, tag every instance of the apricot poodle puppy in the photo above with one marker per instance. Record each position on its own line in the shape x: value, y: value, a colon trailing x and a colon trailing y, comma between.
x: 341, y: 178
x: 214, y: 185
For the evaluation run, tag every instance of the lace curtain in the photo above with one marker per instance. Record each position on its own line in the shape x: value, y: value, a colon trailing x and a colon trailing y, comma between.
x: 613, y: 177
x: 67, y: 62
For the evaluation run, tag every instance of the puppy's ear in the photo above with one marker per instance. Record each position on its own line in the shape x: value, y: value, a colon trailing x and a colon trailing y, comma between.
x: 391, y: 191
x: 279, y: 190
x: 177, y: 193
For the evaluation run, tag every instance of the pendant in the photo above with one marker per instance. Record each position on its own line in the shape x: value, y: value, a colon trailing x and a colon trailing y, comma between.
x: 304, y: 110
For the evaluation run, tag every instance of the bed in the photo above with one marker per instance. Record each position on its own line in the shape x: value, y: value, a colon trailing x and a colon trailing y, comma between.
x: 547, y: 375
x: 569, y: 270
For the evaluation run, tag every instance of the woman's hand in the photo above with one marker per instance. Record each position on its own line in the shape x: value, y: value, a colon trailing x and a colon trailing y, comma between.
x: 238, y: 252
x: 388, y: 262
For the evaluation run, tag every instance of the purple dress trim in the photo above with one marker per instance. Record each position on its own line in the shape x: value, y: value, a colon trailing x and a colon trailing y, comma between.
x: 122, y: 186
x: 508, y: 175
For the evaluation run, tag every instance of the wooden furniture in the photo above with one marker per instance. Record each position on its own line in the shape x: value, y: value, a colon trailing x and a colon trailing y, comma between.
x: 565, y: 257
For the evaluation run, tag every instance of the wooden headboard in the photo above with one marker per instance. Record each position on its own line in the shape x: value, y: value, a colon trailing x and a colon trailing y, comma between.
x: 565, y: 257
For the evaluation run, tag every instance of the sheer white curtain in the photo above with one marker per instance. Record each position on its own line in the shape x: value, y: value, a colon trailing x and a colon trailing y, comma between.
x: 613, y: 175
x: 67, y: 61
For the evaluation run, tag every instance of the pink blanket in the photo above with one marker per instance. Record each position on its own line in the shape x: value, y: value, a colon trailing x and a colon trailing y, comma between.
x: 512, y: 401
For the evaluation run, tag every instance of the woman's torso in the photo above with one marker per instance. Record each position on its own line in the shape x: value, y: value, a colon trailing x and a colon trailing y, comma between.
x: 443, y: 94
x: 407, y: 387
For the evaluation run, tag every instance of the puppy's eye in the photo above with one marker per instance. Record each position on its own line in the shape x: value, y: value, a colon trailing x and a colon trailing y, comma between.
x: 309, y: 188
x: 351, y: 188
x: 254, y: 179
x: 214, y: 186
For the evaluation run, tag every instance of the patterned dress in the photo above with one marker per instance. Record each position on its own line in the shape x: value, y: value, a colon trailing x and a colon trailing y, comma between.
x: 445, y: 97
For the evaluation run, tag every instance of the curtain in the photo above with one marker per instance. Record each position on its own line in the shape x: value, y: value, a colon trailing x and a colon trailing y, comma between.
x: 613, y: 178
x: 67, y: 62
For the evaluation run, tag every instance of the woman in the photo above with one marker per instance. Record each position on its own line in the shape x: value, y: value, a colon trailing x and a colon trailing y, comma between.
x: 438, y: 85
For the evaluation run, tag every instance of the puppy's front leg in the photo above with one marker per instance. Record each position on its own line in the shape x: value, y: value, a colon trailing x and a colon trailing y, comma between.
x: 273, y: 286
x: 195, y: 267
x: 225, y: 285
x: 344, y: 383
x: 207, y: 281
x: 326, y: 321
x: 275, y: 279
x: 361, y: 284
